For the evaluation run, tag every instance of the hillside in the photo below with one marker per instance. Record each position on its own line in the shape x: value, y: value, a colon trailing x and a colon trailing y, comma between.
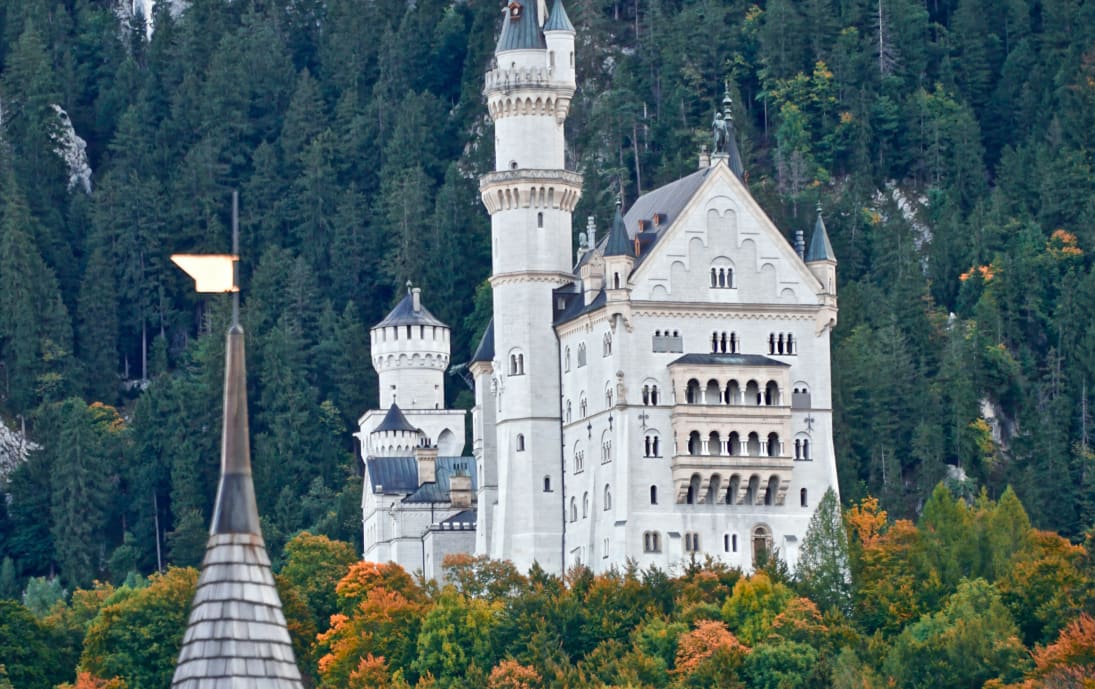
x: 950, y: 143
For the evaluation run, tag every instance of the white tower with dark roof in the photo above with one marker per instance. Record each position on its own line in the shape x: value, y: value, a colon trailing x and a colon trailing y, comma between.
x: 530, y: 197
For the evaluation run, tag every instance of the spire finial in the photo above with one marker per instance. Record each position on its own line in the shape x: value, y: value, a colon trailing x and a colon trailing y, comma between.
x: 409, y: 286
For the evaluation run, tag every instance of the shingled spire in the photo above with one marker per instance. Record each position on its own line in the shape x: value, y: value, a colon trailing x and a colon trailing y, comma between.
x: 236, y: 636
x: 733, y: 155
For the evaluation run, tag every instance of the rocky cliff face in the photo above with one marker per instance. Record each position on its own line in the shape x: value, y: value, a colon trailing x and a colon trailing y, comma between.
x: 13, y: 450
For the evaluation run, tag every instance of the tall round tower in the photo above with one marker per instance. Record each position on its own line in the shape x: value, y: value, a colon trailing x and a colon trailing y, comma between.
x: 410, y: 352
x: 530, y: 197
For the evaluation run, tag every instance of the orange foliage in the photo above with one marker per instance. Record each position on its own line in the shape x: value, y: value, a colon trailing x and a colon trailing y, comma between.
x: 708, y: 638
x: 1063, y: 243
x: 866, y: 520
x: 509, y: 674
x: 86, y: 680
x: 800, y: 621
x: 371, y: 673
x: 893, y: 583
x: 987, y: 273
x: 1070, y: 661
x: 363, y: 577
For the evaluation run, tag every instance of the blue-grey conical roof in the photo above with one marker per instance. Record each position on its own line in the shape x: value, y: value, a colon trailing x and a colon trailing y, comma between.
x: 520, y: 27
x: 404, y: 313
x: 394, y: 421
x: 619, y: 244
x: 820, y: 248
x: 557, y: 19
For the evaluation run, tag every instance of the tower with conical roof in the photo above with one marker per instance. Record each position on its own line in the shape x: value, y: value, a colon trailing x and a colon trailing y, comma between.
x: 821, y: 260
x: 530, y: 196
x: 412, y: 445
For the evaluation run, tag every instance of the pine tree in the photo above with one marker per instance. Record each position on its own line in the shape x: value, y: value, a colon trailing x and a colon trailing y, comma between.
x: 823, y: 569
x: 97, y: 329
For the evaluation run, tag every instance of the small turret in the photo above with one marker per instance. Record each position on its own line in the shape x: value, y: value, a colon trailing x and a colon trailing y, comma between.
x: 559, y: 36
x: 821, y: 261
x: 395, y: 436
x: 619, y: 257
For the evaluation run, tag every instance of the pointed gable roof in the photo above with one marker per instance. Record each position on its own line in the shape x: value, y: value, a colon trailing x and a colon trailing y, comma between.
x: 485, y: 350
x: 520, y: 27
x: 820, y: 248
x: 619, y: 244
x: 557, y: 19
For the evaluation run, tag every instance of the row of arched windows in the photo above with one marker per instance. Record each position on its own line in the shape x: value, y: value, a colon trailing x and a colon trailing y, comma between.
x: 581, y: 355
x: 606, y: 502
x: 752, y: 446
x: 724, y: 343
x: 715, y: 393
x: 722, y: 277
x: 781, y: 343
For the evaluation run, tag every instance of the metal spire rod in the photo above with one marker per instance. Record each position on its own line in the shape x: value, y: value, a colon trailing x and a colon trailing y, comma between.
x: 236, y: 253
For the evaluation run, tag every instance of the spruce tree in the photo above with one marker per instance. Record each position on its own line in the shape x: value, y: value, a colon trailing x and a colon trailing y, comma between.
x: 822, y: 569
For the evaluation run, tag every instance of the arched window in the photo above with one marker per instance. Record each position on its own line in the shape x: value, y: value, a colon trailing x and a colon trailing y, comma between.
x: 733, y: 343
x: 606, y: 345
x: 653, y: 495
x: 652, y: 542
x: 615, y: 281
x: 516, y: 364
x: 583, y: 407
x: 692, y: 392
x: 802, y: 497
x: 762, y: 545
x: 694, y: 443
x: 547, y: 484
x: 574, y: 509
x: 773, y: 445
x: 579, y: 461
x: 608, y: 497
x: 790, y: 345
x: 771, y: 343
x: 650, y: 394
x: 798, y: 448
x: 585, y: 505
x: 693, y: 490
x: 581, y: 355
x: 570, y: 409
x: 714, y: 279
x: 566, y: 359
x: 650, y: 445
x: 606, y: 449
x: 520, y: 442
x: 608, y: 396
x: 806, y: 449
x: 771, y: 393
x: 771, y: 492
x: 540, y: 216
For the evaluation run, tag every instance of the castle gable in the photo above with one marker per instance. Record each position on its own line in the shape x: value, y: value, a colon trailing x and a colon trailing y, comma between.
x: 714, y: 244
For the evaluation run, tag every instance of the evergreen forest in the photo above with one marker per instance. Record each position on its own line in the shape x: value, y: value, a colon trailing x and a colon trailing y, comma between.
x: 951, y: 144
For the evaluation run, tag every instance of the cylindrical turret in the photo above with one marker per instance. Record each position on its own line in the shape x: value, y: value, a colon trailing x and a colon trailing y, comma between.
x: 410, y: 352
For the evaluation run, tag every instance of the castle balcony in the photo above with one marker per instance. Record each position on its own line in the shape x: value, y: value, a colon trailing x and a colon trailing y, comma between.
x: 731, y: 479
x: 508, y: 79
x: 529, y: 188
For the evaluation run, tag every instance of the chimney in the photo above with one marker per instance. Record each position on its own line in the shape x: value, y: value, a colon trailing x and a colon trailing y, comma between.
x: 705, y: 158
x: 427, y: 464
x: 800, y: 244
x: 460, y: 490
x: 416, y: 299
x: 591, y: 231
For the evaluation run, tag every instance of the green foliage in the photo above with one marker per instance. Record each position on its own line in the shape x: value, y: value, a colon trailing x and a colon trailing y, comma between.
x: 138, y: 632
x: 755, y: 602
x: 822, y: 568
x: 31, y: 658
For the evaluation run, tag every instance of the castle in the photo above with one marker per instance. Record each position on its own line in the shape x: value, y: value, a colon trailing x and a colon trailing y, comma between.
x: 664, y: 394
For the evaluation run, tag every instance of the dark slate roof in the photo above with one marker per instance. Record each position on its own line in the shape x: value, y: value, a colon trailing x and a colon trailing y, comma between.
x: 669, y: 200
x: 578, y: 307
x: 522, y: 32
x: 820, y: 248
x: 400, y: 475
x: 557, y: 19
x: 396, y: 474
x: 734, y: 159
x: 619, y: 244
x: 404, y: 314
x: 485, y: 350
x: 394, y: 421
x: 727, y: 360
x: 438, y: 491
x: 463, y: 518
